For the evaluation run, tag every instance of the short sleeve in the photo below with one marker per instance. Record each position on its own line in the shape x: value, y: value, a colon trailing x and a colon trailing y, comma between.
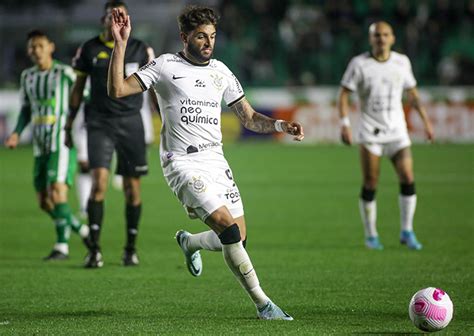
x: 69, y: 74
x: 409, y: 78
x: 24, y: 99
x: 234, y: 91
x: 81, y: 62
x: 351, y: 76
x: 150, y: 73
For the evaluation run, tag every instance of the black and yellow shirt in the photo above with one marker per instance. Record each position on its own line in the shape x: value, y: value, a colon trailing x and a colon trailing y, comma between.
x: 92, y: 59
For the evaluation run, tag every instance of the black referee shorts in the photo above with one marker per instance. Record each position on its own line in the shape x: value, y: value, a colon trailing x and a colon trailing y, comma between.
x: 126, y: 136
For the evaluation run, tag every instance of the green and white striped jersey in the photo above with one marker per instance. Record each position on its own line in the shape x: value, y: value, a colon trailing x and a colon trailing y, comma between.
x: 45, y: 102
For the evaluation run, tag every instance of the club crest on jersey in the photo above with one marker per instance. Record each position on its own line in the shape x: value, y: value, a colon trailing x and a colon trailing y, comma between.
x: 217, y: 81
x: 198, y: 185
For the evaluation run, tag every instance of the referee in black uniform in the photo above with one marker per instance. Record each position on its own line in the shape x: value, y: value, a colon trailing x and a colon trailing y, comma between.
x: 112, y: 125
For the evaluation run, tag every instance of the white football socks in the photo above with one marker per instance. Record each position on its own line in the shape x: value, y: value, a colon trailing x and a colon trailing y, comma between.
x: 84, y: 186
x: 368, y: 213
x: 62, y: 247
x: 238, y: 261
x: 407, y: 211
x: 207, y: 240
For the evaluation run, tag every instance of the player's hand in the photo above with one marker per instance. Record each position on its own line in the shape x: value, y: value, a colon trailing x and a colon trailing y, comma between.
x: 68, y: 138
x: 12, y: 140
x: 293, y: 128
x: 429, y: 132
x: 121, y: 26
x: 346, y: 135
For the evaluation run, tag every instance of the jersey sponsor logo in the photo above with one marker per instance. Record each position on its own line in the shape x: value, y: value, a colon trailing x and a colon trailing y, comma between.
x: 178, y: 77
x: 199, y: 103
x: 191, y: 110
x: 146, y: 66
x: 175, y: 59
x: 100, y: 56
x: 103, y: 55
x: 198, y: 119
x: 237, y: 84
x: 208, y: 145
x: 199, y: 83
x: 232, y: 195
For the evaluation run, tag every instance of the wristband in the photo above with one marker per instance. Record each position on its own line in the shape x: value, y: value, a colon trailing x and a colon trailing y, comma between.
x: 345, y: 121
x: 278, y: 125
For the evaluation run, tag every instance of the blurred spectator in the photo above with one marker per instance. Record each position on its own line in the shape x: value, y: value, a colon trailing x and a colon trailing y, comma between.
x: 294, y: 42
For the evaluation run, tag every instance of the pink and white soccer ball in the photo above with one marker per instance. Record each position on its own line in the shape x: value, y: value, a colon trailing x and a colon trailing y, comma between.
x: 431, y: 309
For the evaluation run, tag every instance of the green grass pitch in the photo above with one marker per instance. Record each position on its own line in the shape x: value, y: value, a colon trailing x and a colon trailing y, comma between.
x: 305, y: 240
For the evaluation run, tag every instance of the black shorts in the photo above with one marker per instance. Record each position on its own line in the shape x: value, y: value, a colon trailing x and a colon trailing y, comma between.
x: 126, y: 136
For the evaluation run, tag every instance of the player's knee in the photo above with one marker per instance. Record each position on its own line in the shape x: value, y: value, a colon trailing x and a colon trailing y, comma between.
x: 407, y: 189
x: 98, y: 190
x: 131, y: 191
x: 221, y: 219
x: 230, y: 235
x: 367, y: 194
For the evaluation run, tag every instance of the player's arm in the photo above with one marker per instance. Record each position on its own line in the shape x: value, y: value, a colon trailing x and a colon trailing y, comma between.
x: 153, y: 101
x: 75, y: 99
x: 154, y: 106
x: 117, y: 85
x: 414, y: 100
x: 260, y: 123
x: 24, y: 118
x: 343, y: 108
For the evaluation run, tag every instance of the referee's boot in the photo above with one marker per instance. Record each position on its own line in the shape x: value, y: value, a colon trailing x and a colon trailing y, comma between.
x: 94, y: 259
x: 130, y: 257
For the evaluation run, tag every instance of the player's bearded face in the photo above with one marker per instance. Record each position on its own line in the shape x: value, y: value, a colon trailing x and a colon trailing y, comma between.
x: 200, y: 42
x: 40, y: 49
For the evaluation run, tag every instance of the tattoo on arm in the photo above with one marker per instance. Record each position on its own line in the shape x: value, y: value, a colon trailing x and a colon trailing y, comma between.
x: 252, y: 120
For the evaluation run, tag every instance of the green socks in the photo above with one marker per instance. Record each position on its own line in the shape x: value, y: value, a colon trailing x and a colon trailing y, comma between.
x: 65, y: 221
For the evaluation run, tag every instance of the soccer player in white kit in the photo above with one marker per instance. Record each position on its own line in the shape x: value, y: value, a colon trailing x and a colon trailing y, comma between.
x: 191, y: 86
x: 380, y: 77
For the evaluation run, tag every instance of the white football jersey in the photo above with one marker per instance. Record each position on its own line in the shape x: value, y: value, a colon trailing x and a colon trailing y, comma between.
x: 380, y: 87
x: 190, y: 97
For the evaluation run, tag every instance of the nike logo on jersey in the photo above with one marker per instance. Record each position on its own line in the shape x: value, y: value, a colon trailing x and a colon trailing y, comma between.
x: 176, y: 77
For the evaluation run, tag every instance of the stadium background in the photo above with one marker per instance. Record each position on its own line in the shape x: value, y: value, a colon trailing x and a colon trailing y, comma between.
x: 300, y: 200
x: 296, y: 51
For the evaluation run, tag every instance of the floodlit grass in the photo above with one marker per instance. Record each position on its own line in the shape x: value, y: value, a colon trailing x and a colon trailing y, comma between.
x: 305, y: 240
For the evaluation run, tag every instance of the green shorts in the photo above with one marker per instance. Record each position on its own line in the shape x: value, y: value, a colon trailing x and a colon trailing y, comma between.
x: 57, y: 167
